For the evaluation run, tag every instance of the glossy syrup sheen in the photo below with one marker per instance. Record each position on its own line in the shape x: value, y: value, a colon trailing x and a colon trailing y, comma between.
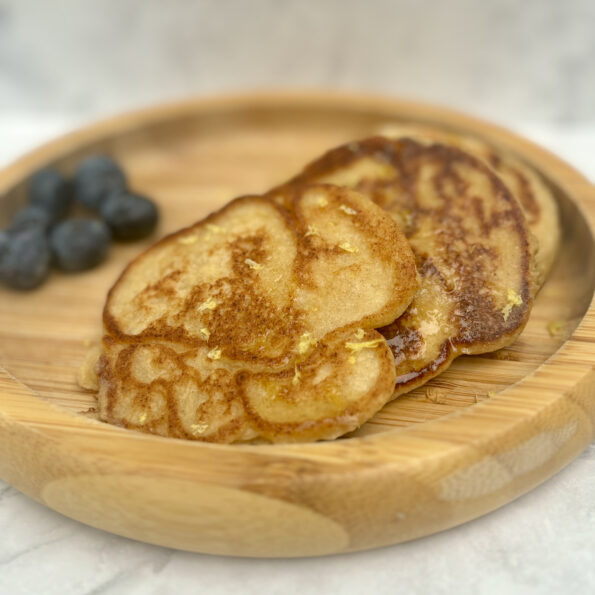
x: 471, y: 243
x: 258, y: 322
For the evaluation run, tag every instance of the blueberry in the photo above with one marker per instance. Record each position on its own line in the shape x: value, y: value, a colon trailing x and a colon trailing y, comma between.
x: 32, y: 216
x: 96, y: 178
x: 26, y: 260
x: 79, y: 244
x: 51, y: 192
x: 4, y: 242
x: 129, y: 216
x: 4, y: 239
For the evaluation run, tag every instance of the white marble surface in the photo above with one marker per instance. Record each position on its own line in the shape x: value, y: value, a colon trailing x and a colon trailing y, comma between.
x: 530, y: 59
x: 543, y: 543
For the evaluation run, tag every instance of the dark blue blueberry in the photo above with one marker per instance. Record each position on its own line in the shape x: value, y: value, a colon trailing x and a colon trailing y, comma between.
x: 4, y: 242
x: 32, y: 216
x: 96, y: 178
x: 129, y: 216
x: 51, y: 192
x: 79, y: 244
x: 26, y: 260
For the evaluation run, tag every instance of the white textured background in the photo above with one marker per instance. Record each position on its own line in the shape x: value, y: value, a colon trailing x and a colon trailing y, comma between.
x: 527, y: 64
x: 504, y: 59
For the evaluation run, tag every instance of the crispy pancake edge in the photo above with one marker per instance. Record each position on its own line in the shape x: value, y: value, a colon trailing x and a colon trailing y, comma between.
x: 376, y: 397
x: 527, y: 185
x: 342, y: 156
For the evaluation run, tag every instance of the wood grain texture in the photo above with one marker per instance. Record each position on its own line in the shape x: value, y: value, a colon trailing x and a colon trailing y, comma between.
x: 489, y: 429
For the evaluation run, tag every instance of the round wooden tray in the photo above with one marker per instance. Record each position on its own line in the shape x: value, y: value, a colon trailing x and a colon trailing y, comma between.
x: 486, y: 431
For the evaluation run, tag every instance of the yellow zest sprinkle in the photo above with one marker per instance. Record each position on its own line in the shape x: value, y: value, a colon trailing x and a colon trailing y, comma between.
x: 199, y: 428
x: 348, y: 247
x: 252, y: 264
x: 407, y: 217
x: 434, y: 396
x: 491, y: 394
x: 205, y: 333
x: 143, y: 418
x: 214, y: 228
x: 210, y: 304
x: 214, y: 353
x: 312, y: 231
x: 556, y: 327
x: 351, y: 359
x: 187, y: 240
x: 363, y: 345
x: 513, y: 299
x: 348, y: 210
x: 296, y: 377
x: 306, y: 341
x: 359, y: 334
x: 322, y: 202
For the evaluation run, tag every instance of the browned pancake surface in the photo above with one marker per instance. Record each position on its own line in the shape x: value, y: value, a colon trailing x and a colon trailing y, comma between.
x: 470, y: 240
x: 536, y: 199
x: 258, y: 321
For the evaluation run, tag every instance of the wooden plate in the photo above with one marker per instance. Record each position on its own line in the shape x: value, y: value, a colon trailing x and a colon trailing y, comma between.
x: 486, y: 431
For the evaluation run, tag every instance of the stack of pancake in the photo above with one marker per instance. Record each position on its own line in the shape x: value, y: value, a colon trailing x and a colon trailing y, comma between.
x: 296, y: 315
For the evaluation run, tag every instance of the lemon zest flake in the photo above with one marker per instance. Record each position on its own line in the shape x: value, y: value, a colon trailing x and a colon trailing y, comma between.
x: 347, y: 247
x: 406, y: 216
x: 188, y: 240
x: 347, y: 210
x: 205, y: 333
x: 351, y: 359
x: 253, y: 264
x: 214, y: 228
x: 512, y: 299
x: 359, y: 334
x: 199, y: 428
x: 143, y: 418
x: 556, y: 327
x: 306, y: 341
x: 296, y: 377
x: 312, y: 231
x: 210, y: 304
x: 322, y: 202
x: 363, y: 345
x: 491, y: 394
x: 434, y: 396
x: 214, y: 354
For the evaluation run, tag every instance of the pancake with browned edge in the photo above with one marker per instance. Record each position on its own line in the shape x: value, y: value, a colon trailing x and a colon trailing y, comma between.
x: 536, y: 199
x: 470, y: 239
x: 258, y: 322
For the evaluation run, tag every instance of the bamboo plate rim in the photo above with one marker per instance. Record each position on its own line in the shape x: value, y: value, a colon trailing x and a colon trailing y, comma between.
x: 86, y: 439
x: 135, y: 119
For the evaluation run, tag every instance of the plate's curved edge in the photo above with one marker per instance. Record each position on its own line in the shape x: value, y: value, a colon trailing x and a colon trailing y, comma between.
x: 404, y: 484
x: 459, y: 473
x: 393, y: 107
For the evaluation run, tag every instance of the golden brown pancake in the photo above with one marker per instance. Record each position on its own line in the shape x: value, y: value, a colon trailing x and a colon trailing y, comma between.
x: 257, y: 322
x: 470, y: 240
x: 536, y: 200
